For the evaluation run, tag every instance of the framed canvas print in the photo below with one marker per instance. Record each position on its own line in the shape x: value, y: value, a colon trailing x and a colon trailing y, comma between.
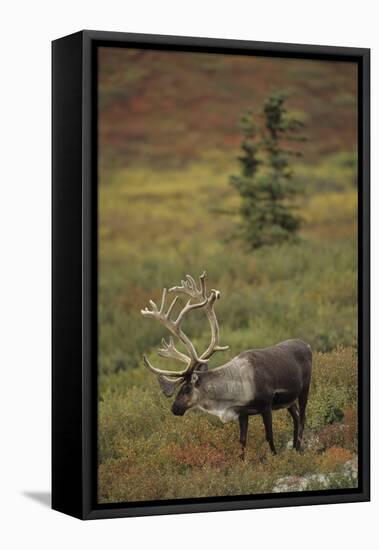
x: 210, y: 275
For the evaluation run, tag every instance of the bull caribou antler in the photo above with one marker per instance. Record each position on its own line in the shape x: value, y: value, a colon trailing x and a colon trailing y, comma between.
x: 189, y: 287
x: 167, y: 378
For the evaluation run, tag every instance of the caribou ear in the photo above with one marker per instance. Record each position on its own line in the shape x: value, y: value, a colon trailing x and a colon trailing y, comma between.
x: 168, y: 386
x: 194, y: 378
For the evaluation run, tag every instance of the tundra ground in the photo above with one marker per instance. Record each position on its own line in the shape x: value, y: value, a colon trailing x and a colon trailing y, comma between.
x: 157, y: 225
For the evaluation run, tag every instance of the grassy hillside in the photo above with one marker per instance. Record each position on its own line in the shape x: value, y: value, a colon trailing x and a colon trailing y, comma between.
x: 169, y: 109
x: 169, y: 139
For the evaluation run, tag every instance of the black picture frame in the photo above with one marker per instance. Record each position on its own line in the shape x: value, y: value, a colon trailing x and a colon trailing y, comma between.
x: 74, y: 273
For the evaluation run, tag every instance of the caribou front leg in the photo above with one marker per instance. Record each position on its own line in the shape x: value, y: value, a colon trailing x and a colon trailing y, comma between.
x: 244, y: 422
x: 293, y: 410
x: 267, y: 420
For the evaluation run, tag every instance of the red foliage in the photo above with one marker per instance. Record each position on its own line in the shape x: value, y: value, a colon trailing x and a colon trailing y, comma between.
x: 335, y: 456
x: 199, y: 455
x: 341, y: 434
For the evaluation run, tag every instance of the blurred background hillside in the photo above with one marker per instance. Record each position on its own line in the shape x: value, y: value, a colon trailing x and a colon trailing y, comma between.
x: 172, y: 108
x: 168, y: 142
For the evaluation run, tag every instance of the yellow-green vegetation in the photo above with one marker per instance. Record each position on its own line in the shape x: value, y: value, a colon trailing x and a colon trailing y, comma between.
x: 156, y: 225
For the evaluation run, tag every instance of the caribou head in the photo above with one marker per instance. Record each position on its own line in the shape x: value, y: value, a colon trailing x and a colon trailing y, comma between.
x: 188, y: 378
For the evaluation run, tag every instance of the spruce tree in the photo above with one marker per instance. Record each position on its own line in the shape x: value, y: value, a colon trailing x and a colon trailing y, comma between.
x: 265, y: 181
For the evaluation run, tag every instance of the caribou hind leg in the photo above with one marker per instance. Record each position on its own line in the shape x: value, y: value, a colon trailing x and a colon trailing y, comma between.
x: 294, y: 412
x: 243, y: 421
x: 267, y: 420
x: 303, y: 399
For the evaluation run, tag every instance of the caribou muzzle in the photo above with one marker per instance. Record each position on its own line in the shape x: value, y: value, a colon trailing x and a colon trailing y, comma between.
x: 177, y: 410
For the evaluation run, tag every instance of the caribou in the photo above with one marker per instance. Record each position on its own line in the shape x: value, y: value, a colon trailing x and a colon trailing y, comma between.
x: 255, y: 382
